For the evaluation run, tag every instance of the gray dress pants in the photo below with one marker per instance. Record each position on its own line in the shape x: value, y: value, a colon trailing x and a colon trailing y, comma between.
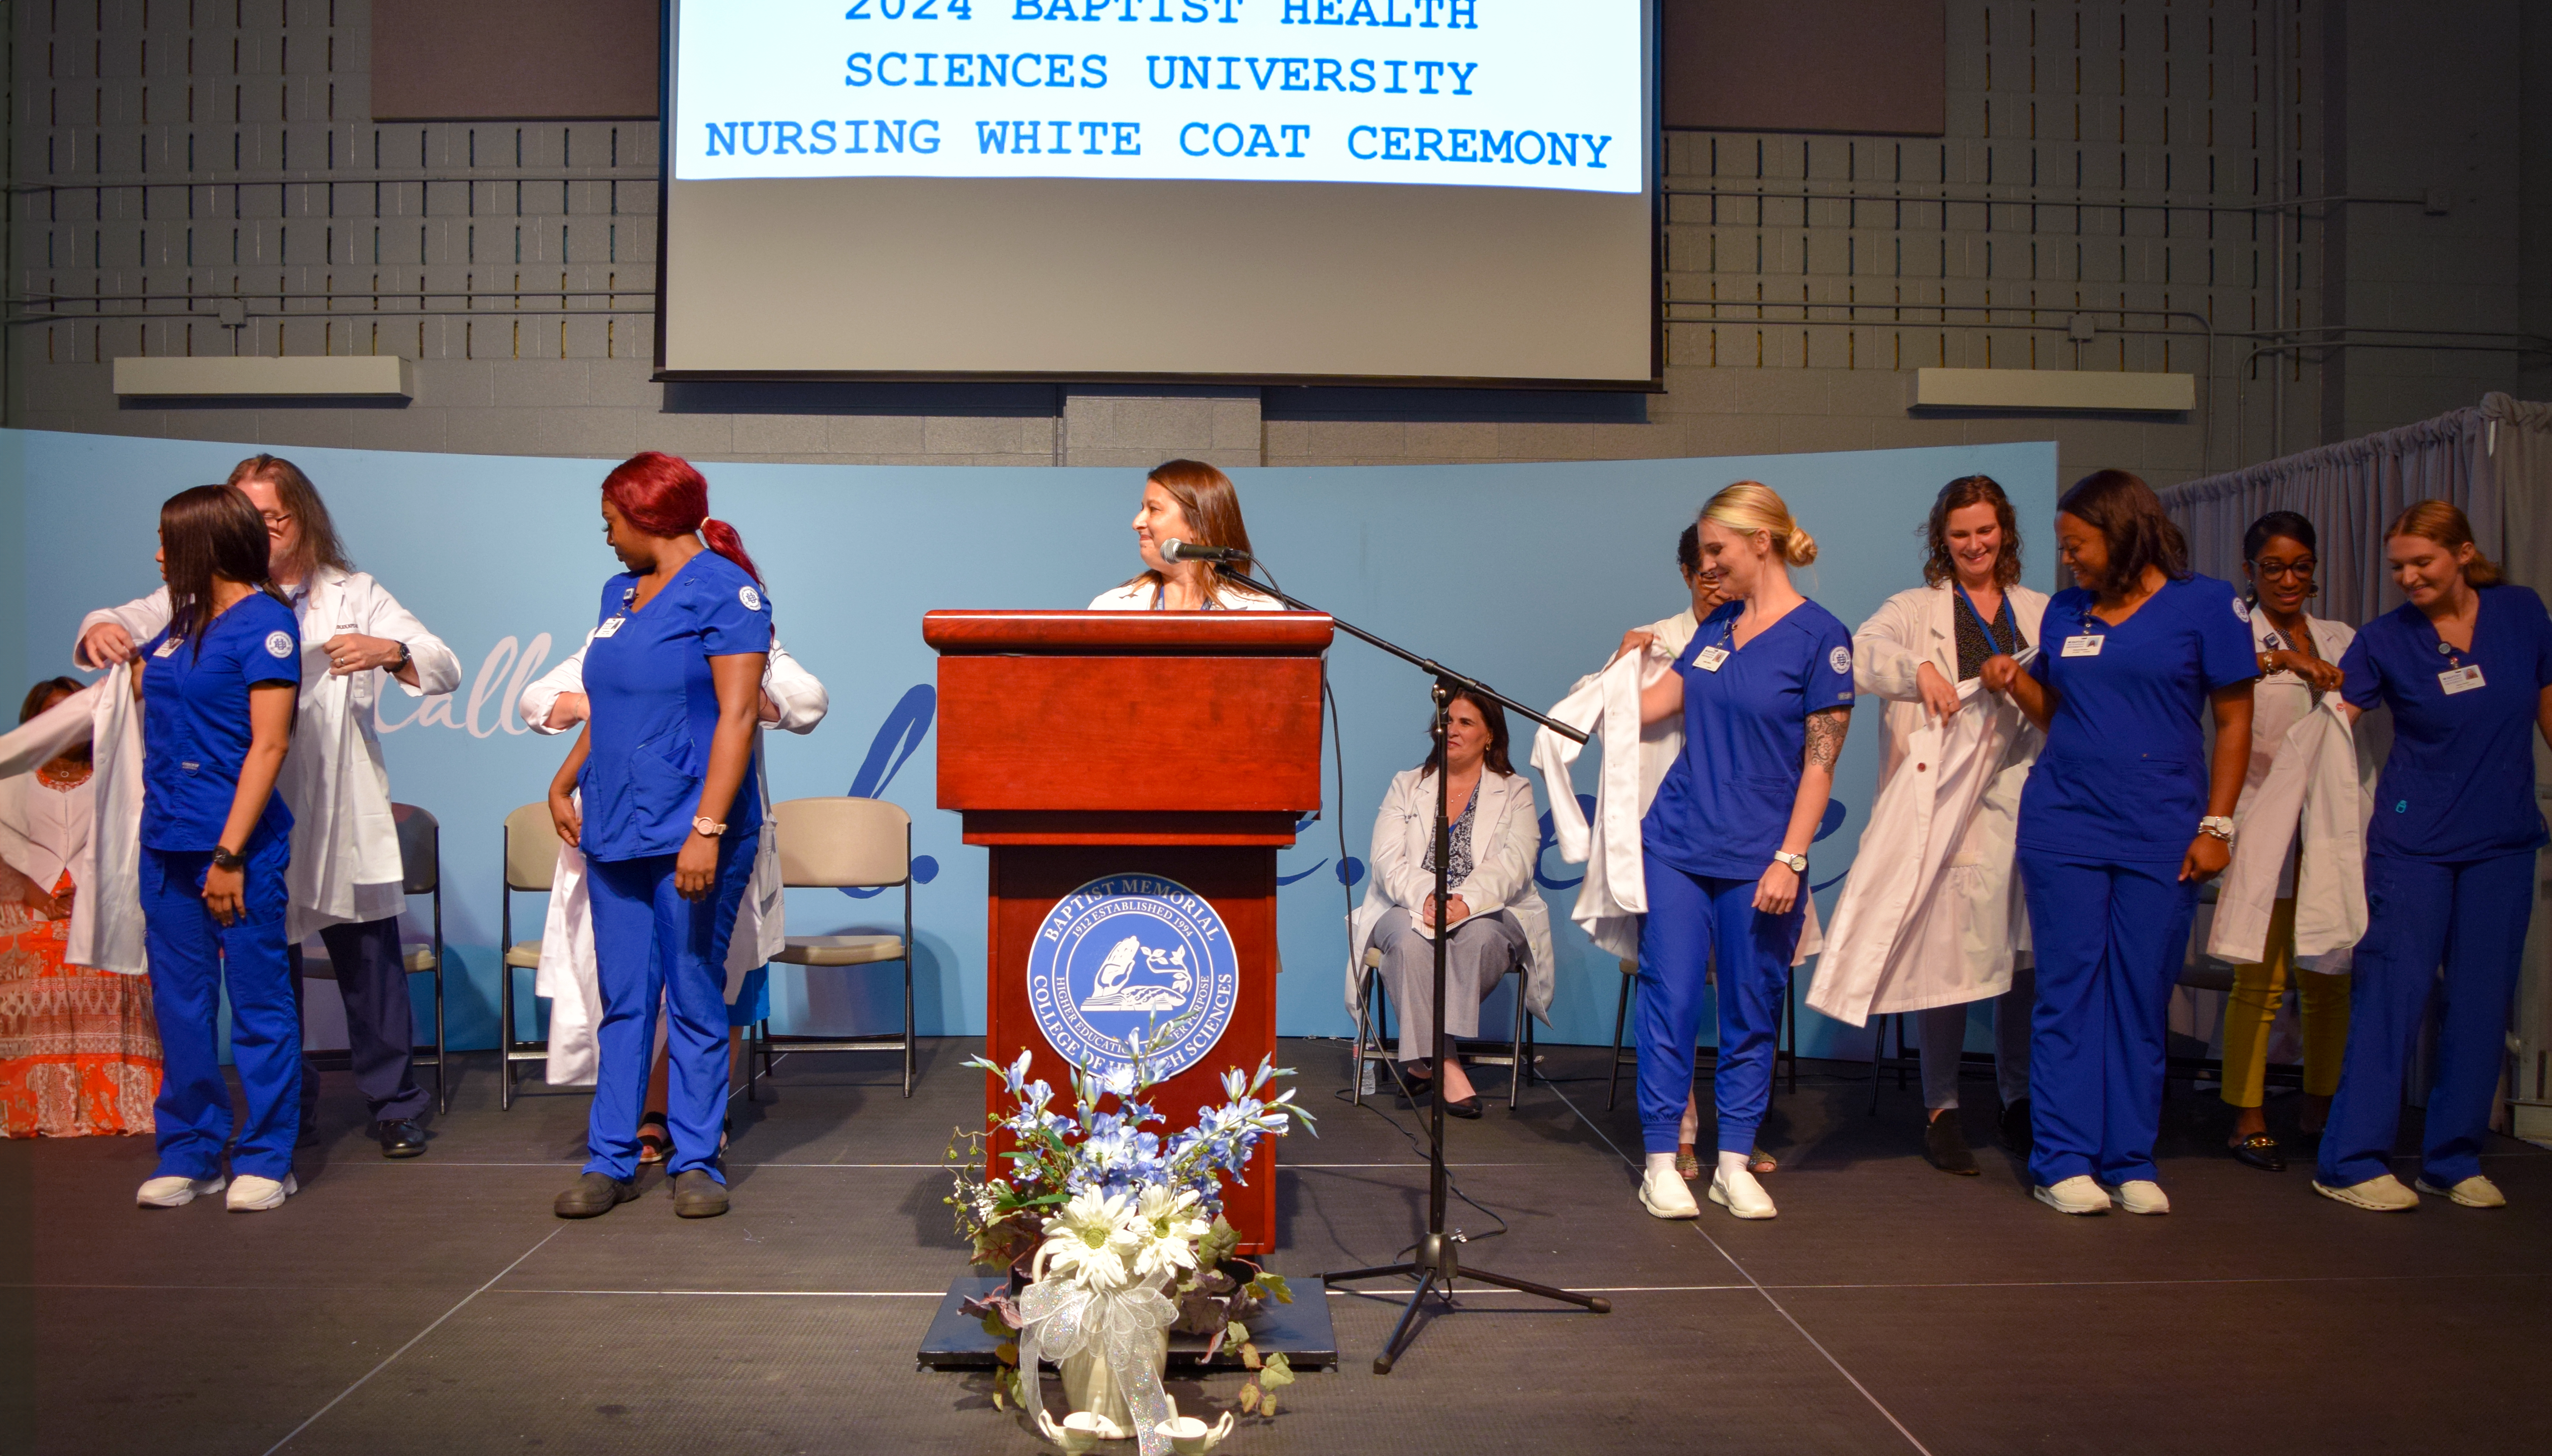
x: 1484, y: 947
x: 1944, y: 1030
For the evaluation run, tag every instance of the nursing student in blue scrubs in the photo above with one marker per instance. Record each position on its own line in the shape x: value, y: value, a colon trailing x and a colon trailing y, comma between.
x: 2465, y: 666
x: 673, y: 679
x: 218, y: 688
x: 1764, y: 688
x: 2125, y: 814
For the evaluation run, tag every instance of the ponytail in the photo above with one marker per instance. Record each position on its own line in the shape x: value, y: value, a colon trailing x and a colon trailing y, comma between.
x: 723, y: 538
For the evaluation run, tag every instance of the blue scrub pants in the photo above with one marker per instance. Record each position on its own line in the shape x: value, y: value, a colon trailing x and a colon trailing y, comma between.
x: 2109, y: 941
x: 650, y: 944
x: 1690, y: 916
x: 2470, y: 918
x: 192, y: 955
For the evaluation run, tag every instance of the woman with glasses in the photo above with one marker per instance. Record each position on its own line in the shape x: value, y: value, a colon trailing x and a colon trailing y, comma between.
x: 346, y: 875
x: 2298, y: 658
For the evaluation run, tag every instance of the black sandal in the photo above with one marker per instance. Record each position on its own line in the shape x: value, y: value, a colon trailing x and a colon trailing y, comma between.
x: 2261, y: 1151
x: 657, y: 1145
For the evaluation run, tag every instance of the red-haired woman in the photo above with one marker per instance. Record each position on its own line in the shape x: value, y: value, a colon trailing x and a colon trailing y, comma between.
x: 2465, y: 666
x: 674, y: 677
x: 1188, y: 501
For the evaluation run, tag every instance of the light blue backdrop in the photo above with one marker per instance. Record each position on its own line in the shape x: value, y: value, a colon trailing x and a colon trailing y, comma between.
x: 1524, y: 576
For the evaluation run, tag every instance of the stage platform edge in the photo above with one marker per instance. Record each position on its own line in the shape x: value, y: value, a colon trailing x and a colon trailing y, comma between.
x: 1301, y: 1331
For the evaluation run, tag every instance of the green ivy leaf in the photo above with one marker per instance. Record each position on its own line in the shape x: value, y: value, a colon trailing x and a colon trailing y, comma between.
x: 1272, y: 1286
x: 1248, y: 1399
x: 1250, y: 1355
x: 1279, y: 1372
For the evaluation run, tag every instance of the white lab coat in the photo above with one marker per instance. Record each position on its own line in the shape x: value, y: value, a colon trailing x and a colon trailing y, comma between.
x: 106, y: 914
x: 567, y: 975
x: 1613, y: 897
x: 1943, y: 853
x: 1137, y: 595
x: 345, y: 865
x: 1506, y: 834
x: 2305, y: 781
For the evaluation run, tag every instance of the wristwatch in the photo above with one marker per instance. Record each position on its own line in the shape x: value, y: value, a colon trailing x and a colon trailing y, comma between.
x: 708, y: 826
x: 1797, y: 863
x: 2218, y: 825
x: 404, y: 657
x: 224, y: 859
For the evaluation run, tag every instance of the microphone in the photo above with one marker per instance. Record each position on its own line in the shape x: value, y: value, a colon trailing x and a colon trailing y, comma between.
x: 1175, y: 549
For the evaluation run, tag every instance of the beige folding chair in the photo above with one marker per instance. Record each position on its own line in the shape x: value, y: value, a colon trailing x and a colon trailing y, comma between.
x: 421, y: 865
x: 531, y: 865
x: 846, y: 844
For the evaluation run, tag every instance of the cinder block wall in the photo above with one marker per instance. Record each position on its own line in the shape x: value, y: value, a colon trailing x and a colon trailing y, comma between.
x: 2140, y: 164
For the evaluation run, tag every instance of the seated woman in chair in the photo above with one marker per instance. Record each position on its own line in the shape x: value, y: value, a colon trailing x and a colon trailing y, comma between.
x: 1496, y: 915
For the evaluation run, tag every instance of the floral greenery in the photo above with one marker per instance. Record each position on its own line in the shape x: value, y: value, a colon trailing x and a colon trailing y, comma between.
x: 1101, y: 1198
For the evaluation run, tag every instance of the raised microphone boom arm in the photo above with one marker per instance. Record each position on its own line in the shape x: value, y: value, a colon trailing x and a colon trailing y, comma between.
x: 1437, y: 1260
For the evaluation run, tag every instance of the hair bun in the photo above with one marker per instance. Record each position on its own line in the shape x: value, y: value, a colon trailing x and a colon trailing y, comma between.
x: 1800, y: 550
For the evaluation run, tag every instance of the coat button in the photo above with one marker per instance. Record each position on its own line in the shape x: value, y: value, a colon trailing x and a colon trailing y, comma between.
x: 1919, y: 767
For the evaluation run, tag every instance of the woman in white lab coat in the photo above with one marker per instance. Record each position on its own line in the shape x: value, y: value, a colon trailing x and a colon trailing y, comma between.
x: 794, y: 701
x: 1495, y: 912
x: 2300, y: 658
x: 1914, y: 651
x: 1187, y: 501
x: 345, y: 877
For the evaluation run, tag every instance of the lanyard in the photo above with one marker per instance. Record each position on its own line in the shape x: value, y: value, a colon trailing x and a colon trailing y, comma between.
x: 1160, y: 590
x: 1991, y: 641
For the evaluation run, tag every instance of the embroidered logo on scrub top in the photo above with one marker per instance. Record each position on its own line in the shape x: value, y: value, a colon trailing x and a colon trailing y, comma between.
x: 278, y: 643
x: 2241, y: 610
x: 751, y: 598
x: 1131, y: 956
x: 1840, y: 660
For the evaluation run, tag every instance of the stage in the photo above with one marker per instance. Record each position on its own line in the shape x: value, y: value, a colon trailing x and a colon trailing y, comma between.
x: 436, y: 1306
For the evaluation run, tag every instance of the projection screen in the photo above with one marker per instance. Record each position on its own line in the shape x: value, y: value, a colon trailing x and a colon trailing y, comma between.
x: 1444, y: 191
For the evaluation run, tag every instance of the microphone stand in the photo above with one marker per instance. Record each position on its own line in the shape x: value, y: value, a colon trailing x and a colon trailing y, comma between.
x: 1437, y: 1260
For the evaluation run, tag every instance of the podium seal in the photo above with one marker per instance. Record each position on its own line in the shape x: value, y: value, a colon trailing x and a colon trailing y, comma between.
x: 1128, y: 956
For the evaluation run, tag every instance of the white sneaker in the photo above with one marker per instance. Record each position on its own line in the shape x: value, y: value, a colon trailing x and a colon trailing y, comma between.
x: 2475, y: 1191
x: 1741, y: 1195
x: 2141, y: 1195
x: 2382, y: 1193
x: 173, y: 1192
x: 250, y: 1194
x: 1666, y: 1196
x: 2077, y: 1194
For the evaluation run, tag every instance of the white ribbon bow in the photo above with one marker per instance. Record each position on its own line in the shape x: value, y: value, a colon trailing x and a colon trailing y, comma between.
x: 1061, y: 1317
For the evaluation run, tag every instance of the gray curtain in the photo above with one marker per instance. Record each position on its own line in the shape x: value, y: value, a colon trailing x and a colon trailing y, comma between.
x: 2496, y: 461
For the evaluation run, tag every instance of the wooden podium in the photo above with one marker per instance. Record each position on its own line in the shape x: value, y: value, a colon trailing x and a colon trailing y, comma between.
x: 1178, y: 745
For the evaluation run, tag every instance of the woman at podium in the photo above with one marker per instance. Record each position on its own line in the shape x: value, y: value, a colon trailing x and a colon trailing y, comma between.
x: 1497, y: 918
x: 1195, y: 504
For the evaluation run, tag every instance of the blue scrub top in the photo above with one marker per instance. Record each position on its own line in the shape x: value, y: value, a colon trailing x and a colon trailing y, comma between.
x: 2459, y: 783
x: 195, y: 731
x: 654, y: 706
x: 1726, y: 802
x: 2123, y: 776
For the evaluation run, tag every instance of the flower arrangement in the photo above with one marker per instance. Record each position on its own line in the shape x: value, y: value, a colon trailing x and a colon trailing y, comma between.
x: 1117, y: 1229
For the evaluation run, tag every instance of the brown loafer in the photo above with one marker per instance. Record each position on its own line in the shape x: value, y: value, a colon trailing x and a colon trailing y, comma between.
x: 595, y: 1194
x: 697, y: 1195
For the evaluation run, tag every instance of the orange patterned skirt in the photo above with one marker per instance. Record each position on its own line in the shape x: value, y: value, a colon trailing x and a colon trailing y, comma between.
x: 80, y: 1052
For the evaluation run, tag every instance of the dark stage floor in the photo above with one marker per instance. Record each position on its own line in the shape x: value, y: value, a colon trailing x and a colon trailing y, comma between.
x: 436, y: 1306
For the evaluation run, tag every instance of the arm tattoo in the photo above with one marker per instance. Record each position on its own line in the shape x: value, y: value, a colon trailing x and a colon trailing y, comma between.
x: 1826, y: 729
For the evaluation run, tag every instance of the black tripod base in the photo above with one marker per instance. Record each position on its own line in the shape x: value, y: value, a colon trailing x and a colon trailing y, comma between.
x: 1438, y: 1263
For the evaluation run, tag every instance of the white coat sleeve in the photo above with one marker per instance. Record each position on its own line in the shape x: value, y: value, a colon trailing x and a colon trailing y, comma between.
x: 141, y: 618
x: 802, y: 700
x: 1887, y: 650
x: 542, y: 693
x: 438, y: 670
x: 1502, y: 873
x: 1395, y: 873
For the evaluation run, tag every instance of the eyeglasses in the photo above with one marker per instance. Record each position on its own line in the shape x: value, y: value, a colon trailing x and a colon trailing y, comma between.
x: 2297, y: 570
x: 275, y: 520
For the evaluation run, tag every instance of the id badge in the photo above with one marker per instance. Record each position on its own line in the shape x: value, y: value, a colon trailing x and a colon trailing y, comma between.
x: 610, y: 627
x: 1711, y: 658
x: 2461, y: 679
x: 2085, y: 645
x: 170, y: 646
